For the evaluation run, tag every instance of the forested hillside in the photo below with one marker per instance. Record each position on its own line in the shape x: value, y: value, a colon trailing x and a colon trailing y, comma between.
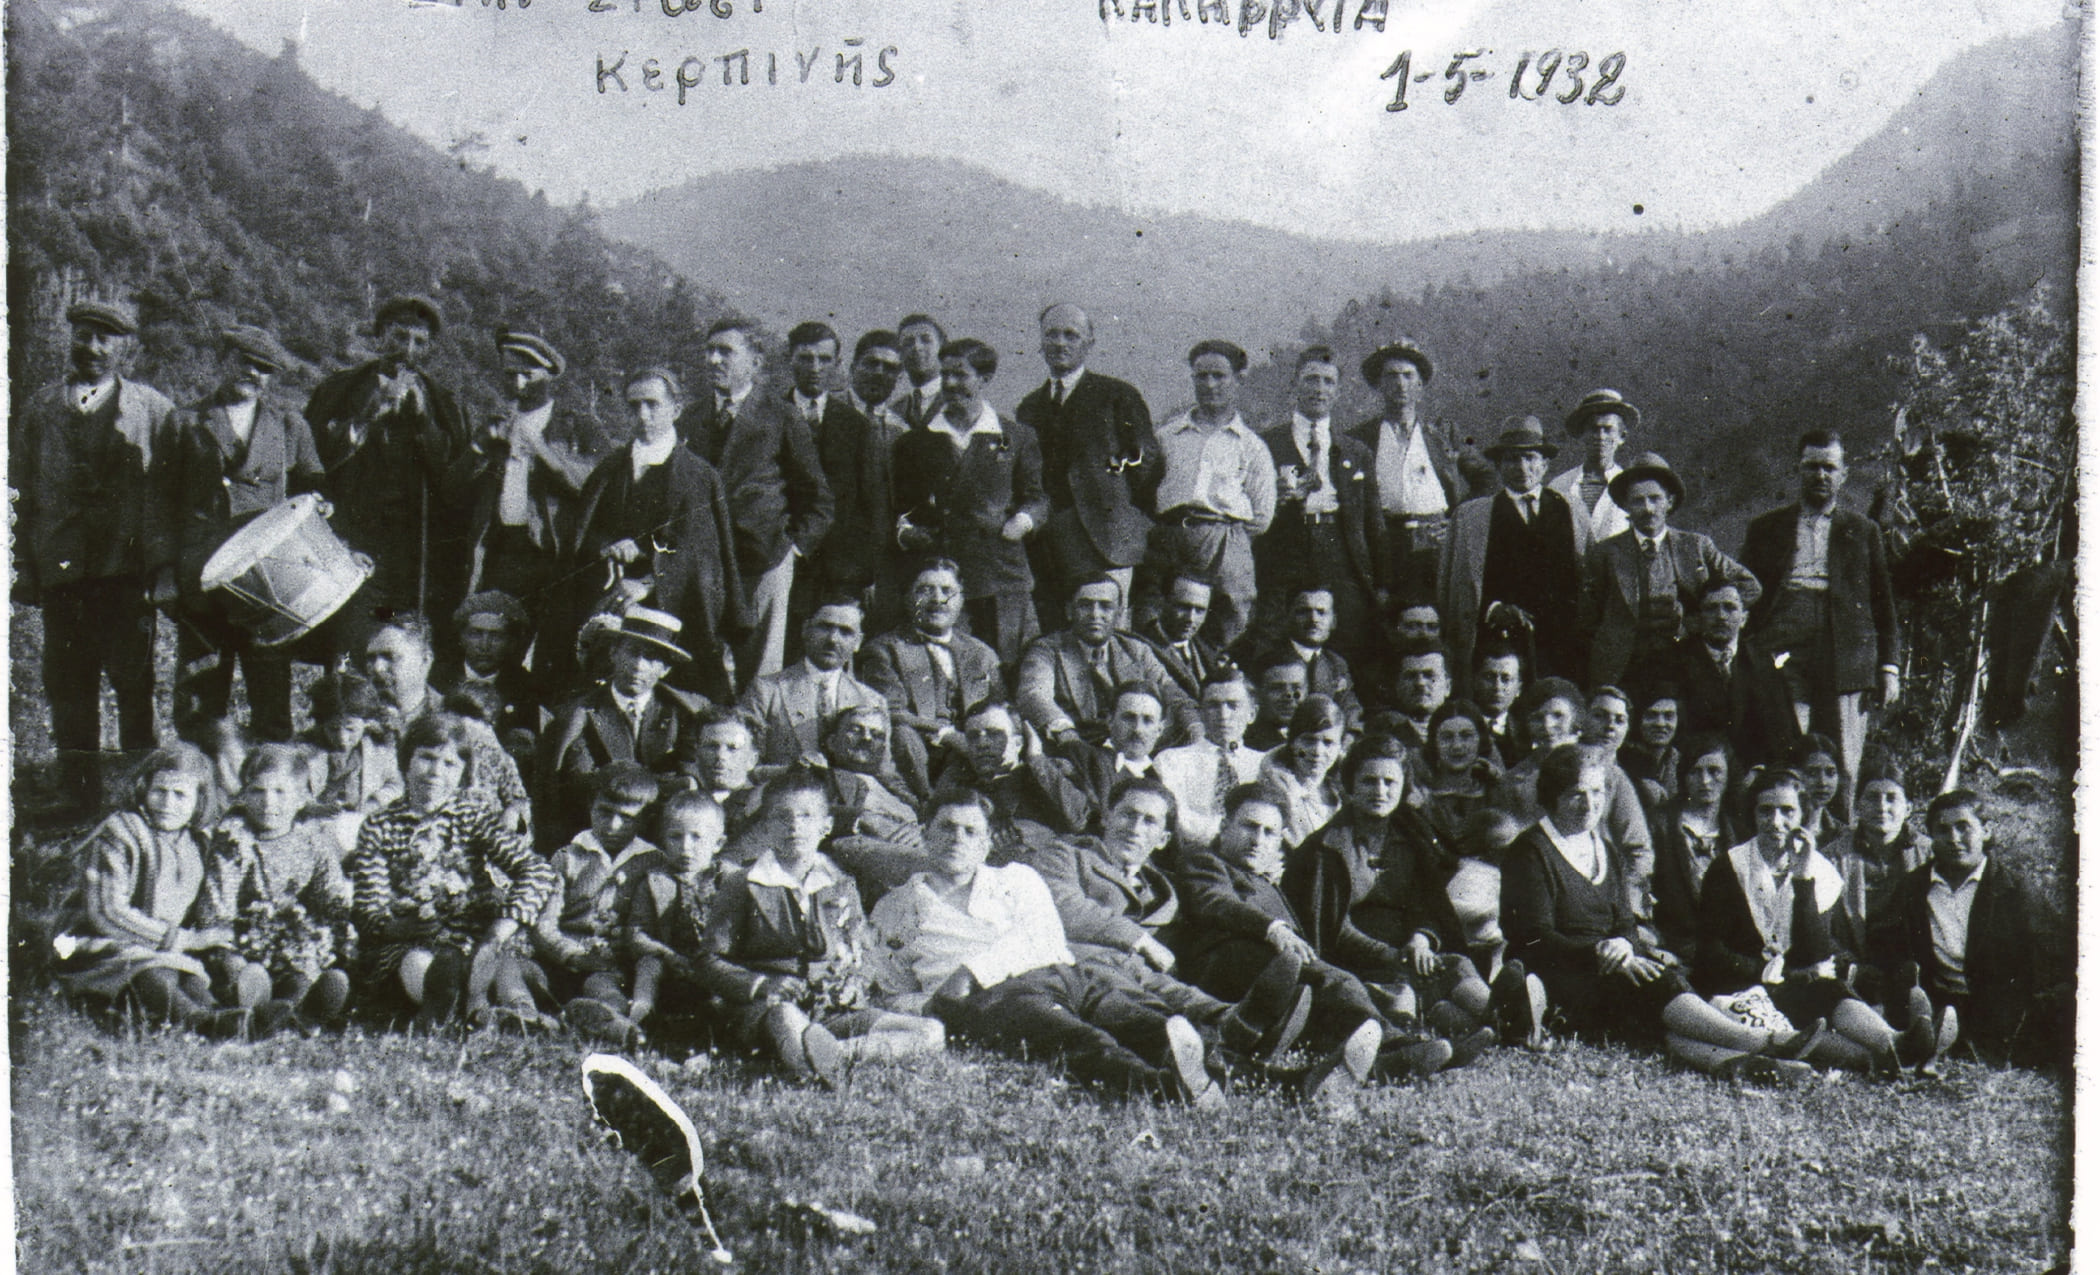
x: 153, y: 157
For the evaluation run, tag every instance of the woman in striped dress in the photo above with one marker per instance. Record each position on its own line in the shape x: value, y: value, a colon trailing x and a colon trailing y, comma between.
x: 433, y: 915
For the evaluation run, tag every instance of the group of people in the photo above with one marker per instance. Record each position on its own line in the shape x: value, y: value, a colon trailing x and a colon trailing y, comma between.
x: 836, y: 722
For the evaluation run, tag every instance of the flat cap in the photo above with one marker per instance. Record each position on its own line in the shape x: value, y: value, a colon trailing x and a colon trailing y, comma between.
x: 257, y: 345
x: 533, y: 347
x: 410, y: 306
x: 115, y: 316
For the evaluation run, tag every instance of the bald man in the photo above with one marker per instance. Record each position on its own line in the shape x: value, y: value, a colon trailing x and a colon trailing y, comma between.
x: 1101, y: 466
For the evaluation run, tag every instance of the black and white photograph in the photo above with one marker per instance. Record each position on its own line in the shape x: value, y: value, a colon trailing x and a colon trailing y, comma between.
x: 1309, y: 636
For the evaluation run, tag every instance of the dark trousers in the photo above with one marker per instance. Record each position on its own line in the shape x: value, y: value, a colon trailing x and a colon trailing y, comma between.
x: 91, y: 628
x: 1107, y: 1032
x: 1185, y: 999
x: 206, y: 647
x: 1416, y: 555
x: 1339, y: 1004
x: 1003, y: 621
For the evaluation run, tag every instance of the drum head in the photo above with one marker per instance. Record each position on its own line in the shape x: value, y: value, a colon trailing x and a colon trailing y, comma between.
x: 255, y: 541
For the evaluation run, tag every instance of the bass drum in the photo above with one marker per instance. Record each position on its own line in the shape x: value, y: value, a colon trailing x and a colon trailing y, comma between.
x: 285, y: 572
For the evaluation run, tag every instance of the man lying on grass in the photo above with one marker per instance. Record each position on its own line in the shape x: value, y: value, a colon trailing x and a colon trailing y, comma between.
x: 988, y: 946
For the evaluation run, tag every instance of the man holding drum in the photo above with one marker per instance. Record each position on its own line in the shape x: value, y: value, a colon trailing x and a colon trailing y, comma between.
x: 86, y: 458
x: 237, y: 454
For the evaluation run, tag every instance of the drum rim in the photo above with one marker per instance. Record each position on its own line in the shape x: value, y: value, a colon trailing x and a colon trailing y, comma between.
x: 267, y: 530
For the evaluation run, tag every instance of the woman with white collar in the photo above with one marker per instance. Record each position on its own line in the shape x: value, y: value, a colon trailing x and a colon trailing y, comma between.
x: 1766, y: 912
x: 1566, y: 918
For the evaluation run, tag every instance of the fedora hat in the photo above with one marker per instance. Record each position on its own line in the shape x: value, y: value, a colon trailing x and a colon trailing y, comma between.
x: 1522, y: 434
x: 1645, y: 466
x: 656, y: 628
x: 1597, y: 403
x: 1400, y: 348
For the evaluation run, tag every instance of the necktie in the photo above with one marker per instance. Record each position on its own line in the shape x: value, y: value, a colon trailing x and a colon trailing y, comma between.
x: 1531, y: 509
x: 1227, y: 779
x: 1057, y: 392
x: 1648, y: 553
x: 1317, y: 452
x: 940, y: 660
x: 1103, y: 677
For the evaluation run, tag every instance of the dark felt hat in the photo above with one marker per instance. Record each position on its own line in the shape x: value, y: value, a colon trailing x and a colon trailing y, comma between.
x: 410, y: 306
x: 1522, y: 434
x: 1597, y: 403
x: 1402, y: 348
x: 257, y: 346
x: 533, y: 347
x: 114, y: 316
x: 658, y: 629
x: 1643, y: 467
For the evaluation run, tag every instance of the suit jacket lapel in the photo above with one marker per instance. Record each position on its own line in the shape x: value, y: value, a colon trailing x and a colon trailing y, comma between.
x: 613, y: 731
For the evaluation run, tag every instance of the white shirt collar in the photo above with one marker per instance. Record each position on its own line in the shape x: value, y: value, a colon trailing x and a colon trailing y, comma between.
x: 1136, y: 769
x: 821, y: 875
x: 632, y: 708
x: 1304, y: 428
x: 588, y: 843
x: 1660, y: 539
x: 647, y: 455
x: 1306, y: 654
x: 1068, y: 382
x: 1971, y: 879
x: 987, y: 423
x: 532, y: 424
x: 1187, y: 420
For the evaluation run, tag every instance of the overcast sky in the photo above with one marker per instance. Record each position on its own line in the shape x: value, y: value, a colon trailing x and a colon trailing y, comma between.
x: 1727, y: 109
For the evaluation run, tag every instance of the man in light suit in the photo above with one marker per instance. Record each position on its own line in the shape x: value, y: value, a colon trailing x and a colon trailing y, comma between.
x: 1419, y: 470
x: 1101, y: 466
x: 1330, y: 526
x: 779, y: 503
x: 930, y: 674
x: 1601, y: 420
x: 631, y: 716
x: 1514, y: 560
x: 1828, y: 604
x: 1644, y: 580
x: 1068, y: 679
x: 792, y: 706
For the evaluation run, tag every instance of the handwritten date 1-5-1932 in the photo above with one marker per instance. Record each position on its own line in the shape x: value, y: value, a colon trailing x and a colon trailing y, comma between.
x: 1564, y: 77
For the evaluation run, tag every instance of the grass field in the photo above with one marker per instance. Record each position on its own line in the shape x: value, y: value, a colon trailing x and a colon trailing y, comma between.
x: 144, y: 1151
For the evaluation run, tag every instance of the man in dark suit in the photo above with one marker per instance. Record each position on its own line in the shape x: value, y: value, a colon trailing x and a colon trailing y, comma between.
x: 921, y: 340
x: 631, y: 716
x: 1134, y: 726
x: 1034, y: 793
x: 1101, y: 466
x: 854, y: 450
x: 1309, y: 630
x: 779, y: 503
x: 397, y: 450
x: 239, y: 454
x: 876, y: 366
x: 87, y: 459
x: 930, y: 674
x: 1498, y: 681
x: 969, y: 487
x: 1176, y: 633
x: 1416, y: 464
x: 658, y: 511
x: 1966, y: 931
x: 1828, y: 605
x: 1643, y: 580
x: 530, y: 468
x: 1726, y: 682
x: 1067, y: 680
x: 1515, y: 560
x: 1329, y: 528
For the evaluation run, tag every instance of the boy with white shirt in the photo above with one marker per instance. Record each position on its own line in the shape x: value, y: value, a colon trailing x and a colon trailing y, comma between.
x: 1200, y: 774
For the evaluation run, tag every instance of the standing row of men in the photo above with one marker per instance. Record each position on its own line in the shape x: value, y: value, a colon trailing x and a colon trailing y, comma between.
x: 740, y: 510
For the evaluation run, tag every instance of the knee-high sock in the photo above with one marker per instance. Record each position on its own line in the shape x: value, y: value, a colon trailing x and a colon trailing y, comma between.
x: 1689, y: 1016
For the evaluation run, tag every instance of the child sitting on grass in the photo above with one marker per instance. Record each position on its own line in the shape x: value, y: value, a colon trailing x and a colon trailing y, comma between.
x: 667, y: 914
x: 362, y: 775
x: 789, y: 953
x: 579, y: 931
x: 124, y: 933
x: 272, y: 880
x: 436, y: 920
